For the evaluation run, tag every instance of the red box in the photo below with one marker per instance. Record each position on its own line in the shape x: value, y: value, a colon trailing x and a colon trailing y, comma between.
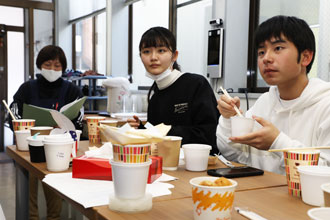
x: 100, y: 169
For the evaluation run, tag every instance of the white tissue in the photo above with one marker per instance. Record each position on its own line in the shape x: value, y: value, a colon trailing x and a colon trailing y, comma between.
x: 105, y: 151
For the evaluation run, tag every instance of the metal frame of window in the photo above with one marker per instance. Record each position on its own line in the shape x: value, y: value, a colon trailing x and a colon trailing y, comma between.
x: 73, y: 22
x: 29, y: 6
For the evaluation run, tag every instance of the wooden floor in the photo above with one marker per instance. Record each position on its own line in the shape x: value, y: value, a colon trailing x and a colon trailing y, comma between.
x: 7, y: 186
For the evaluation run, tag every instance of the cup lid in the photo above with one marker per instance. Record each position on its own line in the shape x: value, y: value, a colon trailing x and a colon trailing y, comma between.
x: 36, y: 140
x: 58, y: 138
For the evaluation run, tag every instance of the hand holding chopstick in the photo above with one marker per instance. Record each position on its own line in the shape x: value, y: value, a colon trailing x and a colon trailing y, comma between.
x: 11, y: 114
x: 304, y: 148
x: 228, y: 96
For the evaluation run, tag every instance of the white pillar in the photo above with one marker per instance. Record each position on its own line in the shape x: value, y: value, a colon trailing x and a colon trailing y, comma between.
x: 323, y: 53
x: 108, y: 37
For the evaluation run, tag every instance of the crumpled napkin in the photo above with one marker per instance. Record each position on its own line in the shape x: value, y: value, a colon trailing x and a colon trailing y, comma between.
x: 105, y: 151
x: 128, y: 135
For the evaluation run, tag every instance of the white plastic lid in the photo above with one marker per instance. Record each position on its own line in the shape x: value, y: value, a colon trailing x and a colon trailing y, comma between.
x: 196, y: 147
x: 314, y: 170
x: 36, y: 140
x: 58, y: 138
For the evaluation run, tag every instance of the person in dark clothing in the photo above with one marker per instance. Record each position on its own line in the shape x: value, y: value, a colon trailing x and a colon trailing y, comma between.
x: 49, y: 90
x: 183, y: 100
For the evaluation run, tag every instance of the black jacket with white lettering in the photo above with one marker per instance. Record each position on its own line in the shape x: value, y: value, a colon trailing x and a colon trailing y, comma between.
x: 189, y: 105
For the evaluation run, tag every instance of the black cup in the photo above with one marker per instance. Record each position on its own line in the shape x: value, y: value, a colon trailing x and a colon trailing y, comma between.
x: 37, y: 154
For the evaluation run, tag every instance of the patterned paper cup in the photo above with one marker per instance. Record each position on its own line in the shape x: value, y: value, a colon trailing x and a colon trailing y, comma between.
x: 212, y: 202
x: 292, y: 160
x: 133, y: 153
x: 23, y: 124
x: 93, y: 129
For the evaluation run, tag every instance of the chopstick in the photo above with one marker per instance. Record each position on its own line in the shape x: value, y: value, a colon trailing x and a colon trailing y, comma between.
x: 228, y: 96
x: 304, y: 148
x: 11, y: 114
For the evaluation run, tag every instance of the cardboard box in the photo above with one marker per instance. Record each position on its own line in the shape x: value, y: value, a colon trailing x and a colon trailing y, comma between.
x: 100, y: 169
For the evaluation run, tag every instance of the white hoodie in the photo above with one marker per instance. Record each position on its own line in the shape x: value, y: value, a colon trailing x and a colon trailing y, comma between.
x: 303, y: 122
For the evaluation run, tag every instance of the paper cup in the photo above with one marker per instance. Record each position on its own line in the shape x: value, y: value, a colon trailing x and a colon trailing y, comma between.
x: 21, y: 139
x: 133, y: 153
x: 58, y: 149
x: 42, y: 130
x: 93, y: 129
x: 169, y: 150
x: 23, y: 124
x: 196, y: 156
x: 293, y: 159
x: 241, y: 126
x: 322, y: 213
x: 326, y: 193
x: 311, y: 179
x: 36, y: 148
x: 130, y: 179
x: 212, y: 202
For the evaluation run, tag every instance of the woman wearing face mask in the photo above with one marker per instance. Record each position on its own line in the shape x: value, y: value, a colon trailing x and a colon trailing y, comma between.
x: 49, y: 90
x: 183, y: 100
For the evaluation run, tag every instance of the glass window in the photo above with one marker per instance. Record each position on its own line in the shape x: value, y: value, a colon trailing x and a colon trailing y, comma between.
x: 43, y: 32
x: 147, y: 14
x: 11, y: 16
x: 84, y: 45
x: 101, y: 43
x: 193, y: 38
x: 15, y: 62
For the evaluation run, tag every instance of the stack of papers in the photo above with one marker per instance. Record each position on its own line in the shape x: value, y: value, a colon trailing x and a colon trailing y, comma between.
x: 90, y: 193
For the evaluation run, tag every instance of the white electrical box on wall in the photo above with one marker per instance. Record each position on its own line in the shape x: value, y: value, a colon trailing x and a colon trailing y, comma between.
x: 230, y: 39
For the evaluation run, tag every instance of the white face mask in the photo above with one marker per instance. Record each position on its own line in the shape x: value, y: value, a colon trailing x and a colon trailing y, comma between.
x: 51, y: 75
x: 161, y: 76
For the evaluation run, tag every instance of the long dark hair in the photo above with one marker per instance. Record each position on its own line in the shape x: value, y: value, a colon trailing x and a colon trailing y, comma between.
x: 158, y: 37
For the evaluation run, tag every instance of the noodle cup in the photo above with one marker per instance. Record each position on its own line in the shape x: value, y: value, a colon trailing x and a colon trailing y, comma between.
x: 130, y: 179
x: 293, y: 159
x: 23, y: 124
x: 196, y: 156
x: 93, y: 129
x: 112, y: 123
x: 311, y: 179
x: 21, y: 139
x: 212, y: 202
x: 132, y: 153
x: 322, y: 213
x: 42, y: 130
x: 241, y: 126
x: 326, y: 193
x: 58, y: 150
x: 169, y: 150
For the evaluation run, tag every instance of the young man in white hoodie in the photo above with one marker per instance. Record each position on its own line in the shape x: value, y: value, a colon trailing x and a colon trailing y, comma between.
x: 295, y: 113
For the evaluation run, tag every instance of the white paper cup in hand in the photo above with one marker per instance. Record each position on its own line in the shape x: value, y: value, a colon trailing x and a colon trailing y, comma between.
x: 241, y: 126
x: 58, y: 150
x: 196, y: 156
x: 21, y: 141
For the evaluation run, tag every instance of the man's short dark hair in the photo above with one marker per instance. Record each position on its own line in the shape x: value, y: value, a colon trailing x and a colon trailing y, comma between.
x: 294, y: 29
x: 51, y: 52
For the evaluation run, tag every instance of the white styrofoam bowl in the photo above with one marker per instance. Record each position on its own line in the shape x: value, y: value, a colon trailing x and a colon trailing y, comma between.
x: 311, y: 179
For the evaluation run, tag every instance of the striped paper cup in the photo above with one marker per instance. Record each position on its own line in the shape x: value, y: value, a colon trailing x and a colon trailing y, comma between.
x: 23, y: 124
x: 93, y: 129
x: 292, y: 160
x: 133, y: 153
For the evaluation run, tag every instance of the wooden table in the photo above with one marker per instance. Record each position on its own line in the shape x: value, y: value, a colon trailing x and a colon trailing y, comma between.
x: 266, y: 195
